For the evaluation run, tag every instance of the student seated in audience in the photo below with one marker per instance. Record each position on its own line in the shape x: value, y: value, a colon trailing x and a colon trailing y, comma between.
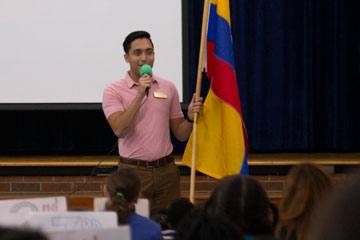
x: 243, y: 200
x: 175, y: 213
x: 123, y: 188
x: 178, y: 209
x: 160, y: 216
x: 200, y: 226
x: 306, y: 186
x: 339, y: 217
x: 20, y: 234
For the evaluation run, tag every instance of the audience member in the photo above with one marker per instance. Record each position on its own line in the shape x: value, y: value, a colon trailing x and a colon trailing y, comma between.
x: 243, y: 200
x: 178, y: 209
x: 123, y: 189
x: 175, y: 213
x: 339, y: 217
x: 20, y: 234
x: 201, y: 226
x: 160, y: 216
x: 306, y: 186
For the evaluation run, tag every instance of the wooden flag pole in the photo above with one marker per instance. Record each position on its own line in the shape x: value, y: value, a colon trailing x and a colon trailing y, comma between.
x: 197, y: 96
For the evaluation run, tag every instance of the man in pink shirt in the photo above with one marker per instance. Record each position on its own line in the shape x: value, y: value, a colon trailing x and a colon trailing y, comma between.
x: 143, y: 122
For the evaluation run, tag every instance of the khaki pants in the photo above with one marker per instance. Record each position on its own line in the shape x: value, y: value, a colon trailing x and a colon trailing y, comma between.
x: 160, y: 185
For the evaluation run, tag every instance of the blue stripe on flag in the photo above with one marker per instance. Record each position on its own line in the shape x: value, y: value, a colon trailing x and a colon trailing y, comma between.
x: 223, y: 42
x: 212, y: 24
x: 244, y: 167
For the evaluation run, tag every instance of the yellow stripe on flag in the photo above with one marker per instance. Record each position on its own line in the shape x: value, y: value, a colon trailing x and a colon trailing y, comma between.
x: 223, y: 9
x: 220, y: 143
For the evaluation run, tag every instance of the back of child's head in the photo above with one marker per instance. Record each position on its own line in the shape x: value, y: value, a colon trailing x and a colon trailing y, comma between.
x: 338, y: 217
x: 306, y: 187
x: 199, y: 225
x: 244, y: 201
x: 20, y: 234
x: 123, y: 187
x: 160, y: 216
x: 178, y: 209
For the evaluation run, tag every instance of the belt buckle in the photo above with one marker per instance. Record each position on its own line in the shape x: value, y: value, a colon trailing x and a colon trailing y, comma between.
x: 147, y: 165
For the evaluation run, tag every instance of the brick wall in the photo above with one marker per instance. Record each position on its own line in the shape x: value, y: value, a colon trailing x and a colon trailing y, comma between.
x: 52, y: 185
x: 32, y: 186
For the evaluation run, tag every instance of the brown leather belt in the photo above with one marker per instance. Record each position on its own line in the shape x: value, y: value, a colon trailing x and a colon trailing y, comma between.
x: 149, y: 164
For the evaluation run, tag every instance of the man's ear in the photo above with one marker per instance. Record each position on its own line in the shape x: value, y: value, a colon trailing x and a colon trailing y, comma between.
x: 106, y: 193
x: 126, y: 57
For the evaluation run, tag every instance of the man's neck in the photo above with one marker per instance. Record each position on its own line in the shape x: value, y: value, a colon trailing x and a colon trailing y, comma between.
x: 134, y: 76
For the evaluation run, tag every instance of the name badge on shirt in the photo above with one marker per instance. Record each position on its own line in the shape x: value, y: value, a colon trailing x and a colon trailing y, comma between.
x: 160, y: 95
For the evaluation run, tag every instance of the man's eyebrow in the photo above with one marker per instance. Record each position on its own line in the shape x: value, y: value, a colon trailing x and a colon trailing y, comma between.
x: 141, y: 49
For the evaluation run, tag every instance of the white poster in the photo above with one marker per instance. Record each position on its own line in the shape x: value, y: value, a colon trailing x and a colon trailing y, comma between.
x: 119, y: 233
x: 65, y: 221
x: 15, y: 212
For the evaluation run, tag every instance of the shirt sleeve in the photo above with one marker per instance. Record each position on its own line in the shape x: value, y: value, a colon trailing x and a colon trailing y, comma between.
x: 111, y: 102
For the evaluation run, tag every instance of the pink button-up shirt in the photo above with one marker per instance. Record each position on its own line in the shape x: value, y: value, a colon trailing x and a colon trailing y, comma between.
x: 150, y: 138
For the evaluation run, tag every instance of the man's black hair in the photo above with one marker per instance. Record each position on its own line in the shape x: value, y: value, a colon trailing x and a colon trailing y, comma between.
x: 133, y: 36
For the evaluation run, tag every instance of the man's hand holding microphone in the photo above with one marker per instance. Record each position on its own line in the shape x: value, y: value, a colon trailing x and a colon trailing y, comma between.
x: 146, y: 79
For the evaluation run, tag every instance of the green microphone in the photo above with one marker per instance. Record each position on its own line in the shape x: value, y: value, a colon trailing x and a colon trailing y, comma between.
x: 146, y: 69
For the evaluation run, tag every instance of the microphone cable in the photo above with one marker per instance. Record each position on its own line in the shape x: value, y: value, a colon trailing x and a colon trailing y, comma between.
x: 108, y: 154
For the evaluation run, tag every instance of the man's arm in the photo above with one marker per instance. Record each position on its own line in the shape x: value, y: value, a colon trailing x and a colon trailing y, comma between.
x: 123, y: 122
x: 180, y: 126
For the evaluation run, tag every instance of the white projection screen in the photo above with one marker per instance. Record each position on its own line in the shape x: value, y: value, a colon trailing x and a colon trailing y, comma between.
x: 67, y: 51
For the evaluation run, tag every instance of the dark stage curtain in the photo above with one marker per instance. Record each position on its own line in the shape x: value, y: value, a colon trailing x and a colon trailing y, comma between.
x: 297, y: 64
x: 55, y: 132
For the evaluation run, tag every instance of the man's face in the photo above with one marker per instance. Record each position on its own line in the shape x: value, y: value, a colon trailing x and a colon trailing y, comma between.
x: 141, y: 52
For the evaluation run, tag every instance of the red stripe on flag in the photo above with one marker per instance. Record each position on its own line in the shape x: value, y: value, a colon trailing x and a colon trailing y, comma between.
x: 210, y: 56
x: 245, y: 137
x: 224, y: 85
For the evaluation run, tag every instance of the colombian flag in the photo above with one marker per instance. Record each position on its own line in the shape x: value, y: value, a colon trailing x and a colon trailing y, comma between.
x: 221, y: 145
